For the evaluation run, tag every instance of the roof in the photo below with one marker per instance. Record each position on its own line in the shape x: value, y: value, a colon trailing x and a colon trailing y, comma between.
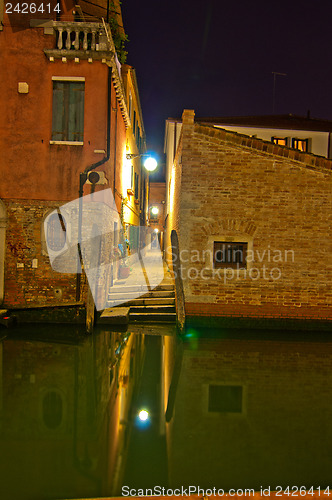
x: 309, y: 160
x: 289, y: 122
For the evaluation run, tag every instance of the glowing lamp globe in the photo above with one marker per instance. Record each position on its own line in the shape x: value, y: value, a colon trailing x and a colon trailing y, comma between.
x: 155, y: 210
x: 150, y: 164
x: 143, y: 415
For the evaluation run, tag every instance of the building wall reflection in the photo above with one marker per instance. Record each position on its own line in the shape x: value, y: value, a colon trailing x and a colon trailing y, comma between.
x: 65, y: 408
x: 248, y: 413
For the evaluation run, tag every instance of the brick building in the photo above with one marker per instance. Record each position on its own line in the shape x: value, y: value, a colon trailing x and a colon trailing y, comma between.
x: 306, y: 134
x: 70, y: 115
x: 253, y: 220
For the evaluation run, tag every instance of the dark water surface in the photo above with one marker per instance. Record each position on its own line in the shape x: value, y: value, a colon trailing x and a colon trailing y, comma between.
x: 226, y: 409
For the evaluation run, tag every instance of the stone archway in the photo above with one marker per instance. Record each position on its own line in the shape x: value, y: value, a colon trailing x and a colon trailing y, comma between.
x: 3, y: 225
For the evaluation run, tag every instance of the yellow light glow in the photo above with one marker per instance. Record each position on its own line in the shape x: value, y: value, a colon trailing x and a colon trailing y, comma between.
x: 155, y: 210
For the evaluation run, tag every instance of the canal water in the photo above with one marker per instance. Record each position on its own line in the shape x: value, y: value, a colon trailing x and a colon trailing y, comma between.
x: 120, y: 412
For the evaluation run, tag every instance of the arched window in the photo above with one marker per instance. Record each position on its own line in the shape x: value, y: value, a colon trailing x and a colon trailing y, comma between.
x: 56, y: 232
x: 52, y: 409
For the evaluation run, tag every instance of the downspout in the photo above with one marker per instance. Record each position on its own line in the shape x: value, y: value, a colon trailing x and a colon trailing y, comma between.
x: 115, y: 142
x: 83, y: 178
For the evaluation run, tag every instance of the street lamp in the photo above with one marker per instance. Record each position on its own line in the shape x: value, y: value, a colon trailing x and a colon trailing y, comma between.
x: 150, y: 163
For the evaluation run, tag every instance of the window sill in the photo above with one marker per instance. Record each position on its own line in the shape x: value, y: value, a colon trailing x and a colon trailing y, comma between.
x: 67, y: 143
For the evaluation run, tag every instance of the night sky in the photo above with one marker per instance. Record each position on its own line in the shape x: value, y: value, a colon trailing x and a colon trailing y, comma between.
x: 217, y: 57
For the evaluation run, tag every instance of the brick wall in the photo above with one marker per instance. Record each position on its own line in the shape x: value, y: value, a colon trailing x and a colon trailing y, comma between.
x: 230, y: 187
x: 24, y: 284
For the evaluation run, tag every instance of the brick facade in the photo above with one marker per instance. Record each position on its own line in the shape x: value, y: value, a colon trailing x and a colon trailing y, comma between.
x: 234, y: 188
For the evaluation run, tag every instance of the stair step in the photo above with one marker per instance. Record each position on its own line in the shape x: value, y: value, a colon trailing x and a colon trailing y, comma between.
x: 133, y: 295
x: 142, y: 287
x: 152, y: 309
x: 163, y: 301
x: 153, y: 317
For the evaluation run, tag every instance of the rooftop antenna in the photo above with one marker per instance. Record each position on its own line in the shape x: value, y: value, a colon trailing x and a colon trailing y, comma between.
x: 275, y: 74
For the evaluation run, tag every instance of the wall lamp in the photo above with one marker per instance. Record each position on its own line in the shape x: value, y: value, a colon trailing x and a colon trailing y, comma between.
x: 150, y: 163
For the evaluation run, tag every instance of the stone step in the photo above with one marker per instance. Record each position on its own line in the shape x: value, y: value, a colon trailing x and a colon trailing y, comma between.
x: 152, y: 309
x: 115, y: 316
x: 163, y: 301
x: 153, y: 317
x: 133, y: 295
x: 139, y: 287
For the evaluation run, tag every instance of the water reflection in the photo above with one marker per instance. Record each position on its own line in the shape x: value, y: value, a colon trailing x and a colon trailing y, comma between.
x: 246, y: 413
x: 64, y: 414
x: 230, y: 411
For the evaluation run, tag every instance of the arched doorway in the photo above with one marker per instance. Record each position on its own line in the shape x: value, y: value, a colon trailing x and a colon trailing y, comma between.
x: 3, y: 225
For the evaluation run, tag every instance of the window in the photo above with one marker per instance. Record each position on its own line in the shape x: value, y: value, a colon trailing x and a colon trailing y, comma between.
x: 136, y: 185
x: 132, y: 177
x: 231, y: 255
x: 134, y: 123
x: 130, y: 111
x: 281, y: 141
x: 56, y: 232
x: 225, y: 398
x: 138, y: 135
x: 300, y: 144
x: 68, y: 111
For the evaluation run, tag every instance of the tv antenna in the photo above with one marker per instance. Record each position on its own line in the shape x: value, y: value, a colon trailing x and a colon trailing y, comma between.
x: 275, y: 74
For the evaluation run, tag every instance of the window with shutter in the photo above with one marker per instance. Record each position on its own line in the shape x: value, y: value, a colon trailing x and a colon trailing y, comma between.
x: 68, y: 111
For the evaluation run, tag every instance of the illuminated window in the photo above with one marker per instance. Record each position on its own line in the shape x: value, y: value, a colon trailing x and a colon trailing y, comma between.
x: 68, y: 111
x: 300, y: 144
x: 281, y: 141
x: 230, y: 255
x: 56, y: 232
x: 225, y: 398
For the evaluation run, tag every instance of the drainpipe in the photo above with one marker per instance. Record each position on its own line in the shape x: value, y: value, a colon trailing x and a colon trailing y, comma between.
x: 115, y: 142
x: 83, y: 178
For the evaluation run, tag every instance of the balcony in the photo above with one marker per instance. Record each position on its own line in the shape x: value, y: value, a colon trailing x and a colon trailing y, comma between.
x: 81, y: 40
